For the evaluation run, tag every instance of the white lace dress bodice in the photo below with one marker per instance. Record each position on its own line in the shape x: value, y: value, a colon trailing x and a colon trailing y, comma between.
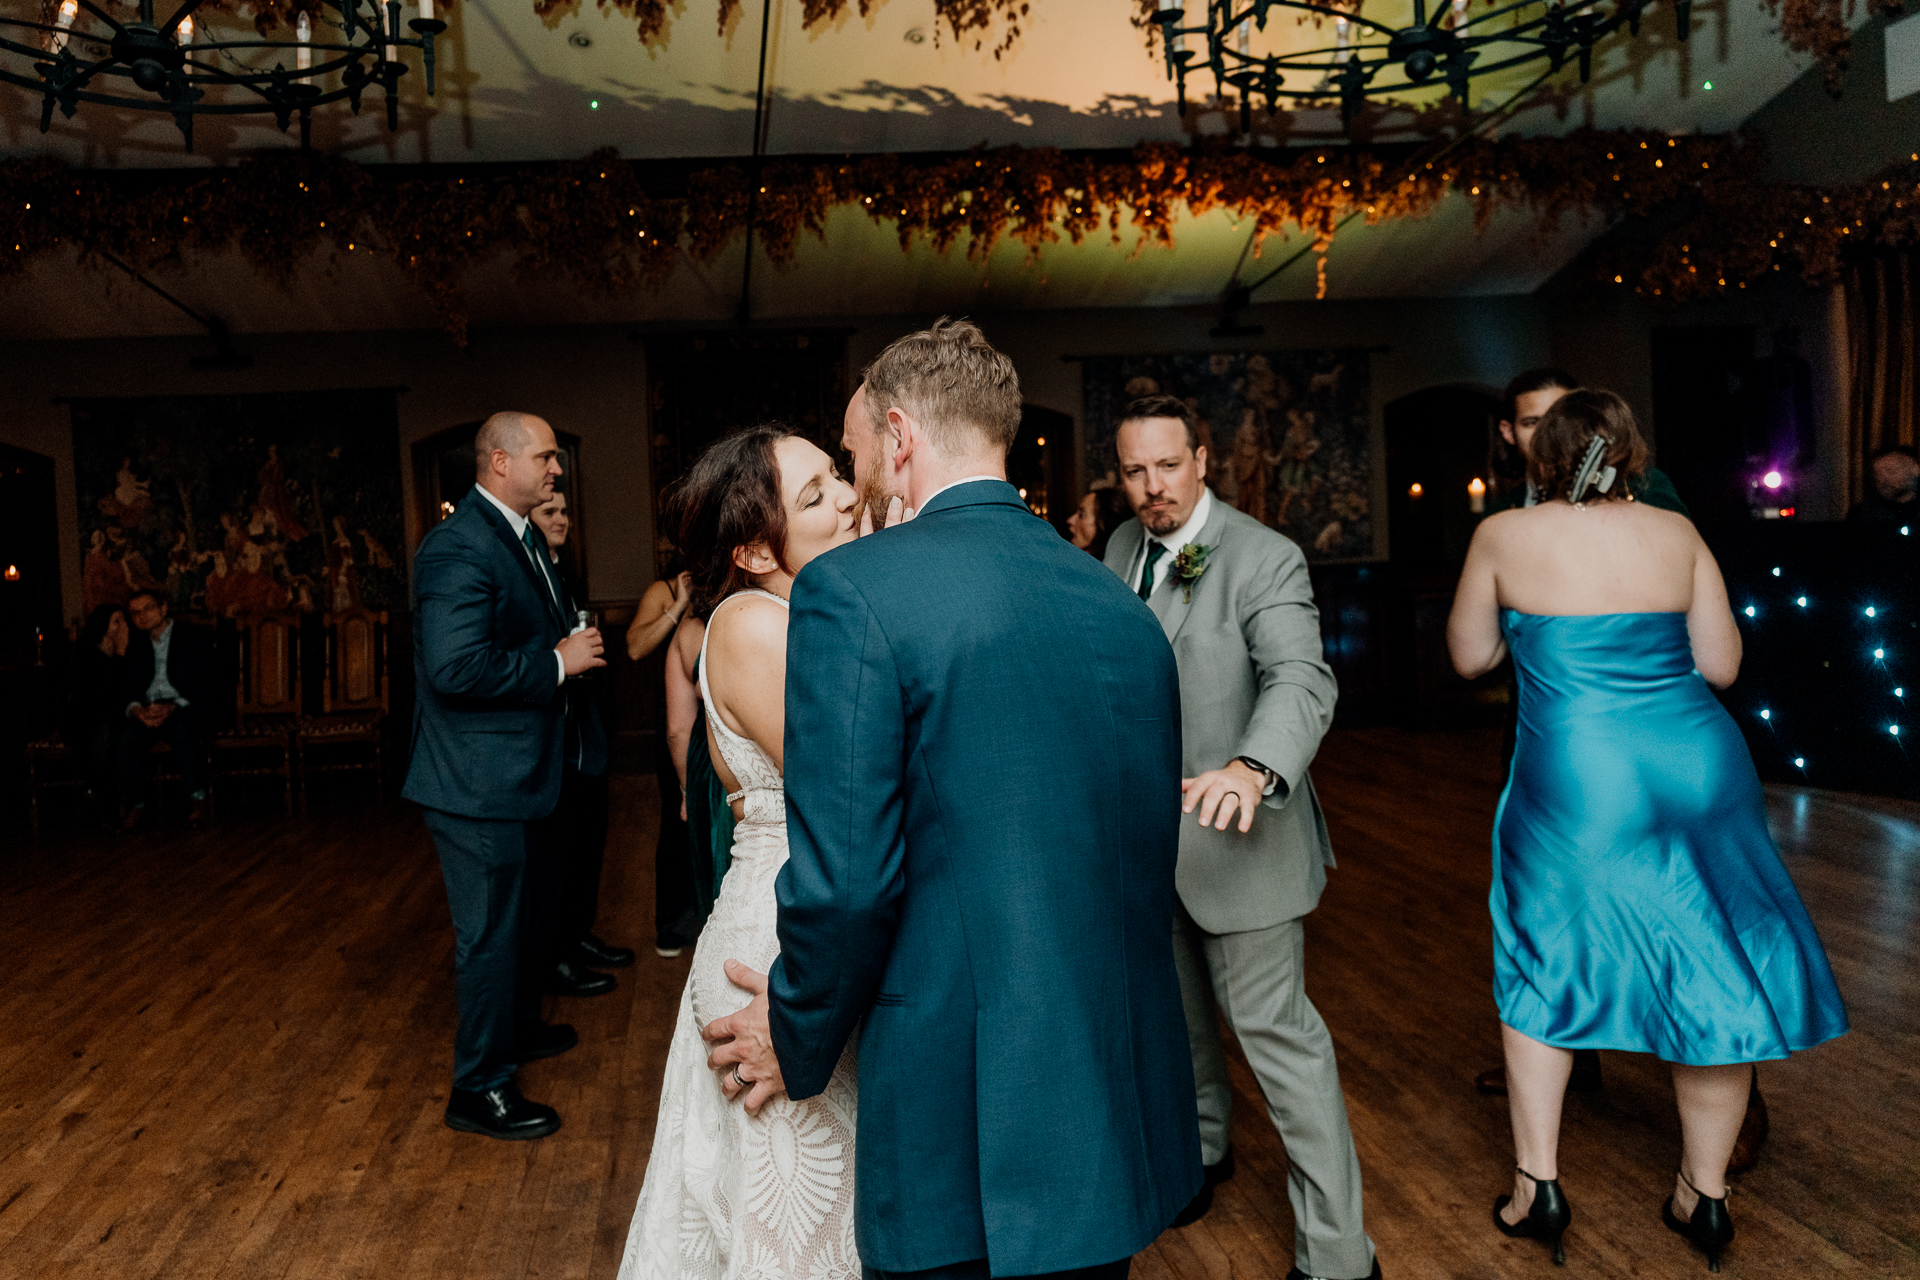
x: 730, y: 1196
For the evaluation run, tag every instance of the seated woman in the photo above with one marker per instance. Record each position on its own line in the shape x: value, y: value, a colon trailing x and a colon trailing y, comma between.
x: 1638, y: 901
x: 97, y: 703
x: 1100, y: 512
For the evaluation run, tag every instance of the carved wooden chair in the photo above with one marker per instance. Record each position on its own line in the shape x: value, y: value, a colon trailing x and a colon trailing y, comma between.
x: 266, y: 704
x: 345, y: 736
x: 51, y: 766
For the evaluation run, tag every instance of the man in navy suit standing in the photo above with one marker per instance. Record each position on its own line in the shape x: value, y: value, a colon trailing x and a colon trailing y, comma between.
x: 982, y: 768
x: 492, y: 656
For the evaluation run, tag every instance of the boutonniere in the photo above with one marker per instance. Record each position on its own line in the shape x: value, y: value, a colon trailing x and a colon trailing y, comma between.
x: 1188, y: 564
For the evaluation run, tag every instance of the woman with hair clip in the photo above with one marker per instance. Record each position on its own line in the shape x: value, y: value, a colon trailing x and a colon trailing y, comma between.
x: 1638, y: 901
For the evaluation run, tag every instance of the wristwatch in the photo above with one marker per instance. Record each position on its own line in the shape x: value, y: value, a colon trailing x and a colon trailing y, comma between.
x: 1272, y: 778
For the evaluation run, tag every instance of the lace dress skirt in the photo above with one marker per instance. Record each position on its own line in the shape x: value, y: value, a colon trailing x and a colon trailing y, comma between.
x: 729, y: 1195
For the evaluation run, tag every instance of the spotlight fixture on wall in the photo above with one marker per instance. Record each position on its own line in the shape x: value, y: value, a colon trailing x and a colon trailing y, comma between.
x: 86, y: 54
x: 1371, y: 60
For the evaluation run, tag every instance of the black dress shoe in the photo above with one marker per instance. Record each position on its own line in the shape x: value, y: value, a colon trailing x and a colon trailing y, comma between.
x: 595, y: 952
x: 500, y: 1113
x: 1298, y: 1274
x: 1213, y: 1175
x: 547, y: 1040
x: 570, y: 979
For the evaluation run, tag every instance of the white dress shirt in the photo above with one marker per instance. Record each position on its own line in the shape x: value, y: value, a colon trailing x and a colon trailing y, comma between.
x: 160, y: 689
x: 1188, y: 532
x: 518, y: 523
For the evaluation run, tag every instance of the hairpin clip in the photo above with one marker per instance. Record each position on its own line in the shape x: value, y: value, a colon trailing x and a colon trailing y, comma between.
x: 1590, y: 470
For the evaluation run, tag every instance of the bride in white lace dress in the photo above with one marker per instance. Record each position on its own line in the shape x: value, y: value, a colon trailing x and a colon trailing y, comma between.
x: 728, y: 1194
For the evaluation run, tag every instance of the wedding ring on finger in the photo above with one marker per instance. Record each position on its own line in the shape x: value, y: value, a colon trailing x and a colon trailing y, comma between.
x: 736, y: 1077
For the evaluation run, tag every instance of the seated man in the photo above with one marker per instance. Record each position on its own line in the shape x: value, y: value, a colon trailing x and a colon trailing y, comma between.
x: 169, y: 687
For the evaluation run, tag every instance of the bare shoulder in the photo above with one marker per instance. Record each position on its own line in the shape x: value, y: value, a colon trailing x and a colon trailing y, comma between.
x: 1503, y: 527
x: 657, y: 596
x: 749, y: 629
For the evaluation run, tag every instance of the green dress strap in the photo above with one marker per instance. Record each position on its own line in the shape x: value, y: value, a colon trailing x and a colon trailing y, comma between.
x: 709, y: 817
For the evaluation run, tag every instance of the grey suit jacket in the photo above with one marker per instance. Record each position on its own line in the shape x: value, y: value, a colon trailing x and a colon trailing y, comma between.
x: 1252, y: 683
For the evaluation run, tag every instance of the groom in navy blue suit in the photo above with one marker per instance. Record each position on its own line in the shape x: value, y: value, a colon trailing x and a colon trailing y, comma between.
x: 982, y: 777
x: 492, y: 656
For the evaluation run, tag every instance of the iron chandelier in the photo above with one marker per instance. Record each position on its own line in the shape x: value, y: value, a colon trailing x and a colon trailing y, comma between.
x: 1371, y: 61
x: 176, y: 69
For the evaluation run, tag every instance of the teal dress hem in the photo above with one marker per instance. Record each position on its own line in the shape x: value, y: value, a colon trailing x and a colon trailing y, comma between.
x: 1638, y: 900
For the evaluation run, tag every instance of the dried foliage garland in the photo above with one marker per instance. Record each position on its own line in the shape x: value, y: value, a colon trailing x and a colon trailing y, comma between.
x: 595, y: 223
x: 964, y: 18
x: 1819, y: 27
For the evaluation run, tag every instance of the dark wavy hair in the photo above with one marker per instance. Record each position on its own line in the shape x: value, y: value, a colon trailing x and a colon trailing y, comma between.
x: 94, y: 630
x: 1162, y: 407
x: 1567, y: 431
x: 1505, y: 461
x: 730, y: 498
x: 1110, y: 510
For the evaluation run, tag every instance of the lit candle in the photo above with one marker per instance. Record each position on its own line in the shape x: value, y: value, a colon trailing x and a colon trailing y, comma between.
x: 13, y: 573
x: 1414, y: 490
x: 1341, y: 39
x: 69, y: 10
x: 1477, y: 495
x: 303, y: 32
x: 184, y: 32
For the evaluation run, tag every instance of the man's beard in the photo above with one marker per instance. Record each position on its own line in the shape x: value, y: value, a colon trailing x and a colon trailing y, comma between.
x: 1162, y: 524
x: 875, y: 493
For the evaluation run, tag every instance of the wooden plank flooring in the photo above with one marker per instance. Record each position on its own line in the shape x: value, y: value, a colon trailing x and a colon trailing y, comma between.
x: 225, y: 1055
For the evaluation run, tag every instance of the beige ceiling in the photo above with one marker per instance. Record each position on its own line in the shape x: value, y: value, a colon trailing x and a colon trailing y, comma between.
x: 515, y: 88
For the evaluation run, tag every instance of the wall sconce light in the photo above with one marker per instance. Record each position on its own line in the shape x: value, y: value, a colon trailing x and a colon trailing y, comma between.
x: 1415, y: 490
x: 1477, y: 495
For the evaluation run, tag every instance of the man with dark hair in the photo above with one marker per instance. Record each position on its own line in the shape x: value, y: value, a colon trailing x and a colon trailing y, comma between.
x: 1527, y: 399
x: 169, y: 691
x: 1895, y: 493
x: 1234, y: 600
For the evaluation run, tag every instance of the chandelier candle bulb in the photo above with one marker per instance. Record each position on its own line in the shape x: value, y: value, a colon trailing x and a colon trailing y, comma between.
x: 69, y: 10
x: 426, y: 10
x: 303, y: 32
x: 184, y: 32
x: 1477, y: 495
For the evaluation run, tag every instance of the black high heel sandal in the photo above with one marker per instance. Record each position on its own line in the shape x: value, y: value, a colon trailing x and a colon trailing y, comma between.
x: 1708, y: 1230
x: 1547, y: 1217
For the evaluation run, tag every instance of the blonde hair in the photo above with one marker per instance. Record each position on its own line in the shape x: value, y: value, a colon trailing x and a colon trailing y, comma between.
x: 953, y: 382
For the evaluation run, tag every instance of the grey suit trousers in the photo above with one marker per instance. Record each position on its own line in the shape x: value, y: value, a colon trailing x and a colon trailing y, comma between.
x: 1257, y: 980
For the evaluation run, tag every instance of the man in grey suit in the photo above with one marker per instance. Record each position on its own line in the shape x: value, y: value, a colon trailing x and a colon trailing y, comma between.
x: 1255, y: 700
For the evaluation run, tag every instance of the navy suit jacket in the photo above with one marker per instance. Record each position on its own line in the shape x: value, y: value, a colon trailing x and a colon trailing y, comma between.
x: 190, y: 670
x: 983, y: 802
x: 488, y: 712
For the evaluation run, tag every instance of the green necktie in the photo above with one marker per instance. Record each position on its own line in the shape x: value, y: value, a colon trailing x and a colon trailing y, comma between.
x: 1155, y: 550
x: 539, y: 554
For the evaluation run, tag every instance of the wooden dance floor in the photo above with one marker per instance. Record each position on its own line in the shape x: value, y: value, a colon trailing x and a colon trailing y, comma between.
x: 225, y: 1055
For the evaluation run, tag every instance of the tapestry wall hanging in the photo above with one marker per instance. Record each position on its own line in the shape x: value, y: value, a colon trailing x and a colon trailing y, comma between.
x: 231, y: 505
x: 1288, y: 435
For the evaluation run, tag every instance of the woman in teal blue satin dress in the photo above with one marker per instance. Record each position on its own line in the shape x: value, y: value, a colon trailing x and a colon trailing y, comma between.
x: 1638, y: 901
